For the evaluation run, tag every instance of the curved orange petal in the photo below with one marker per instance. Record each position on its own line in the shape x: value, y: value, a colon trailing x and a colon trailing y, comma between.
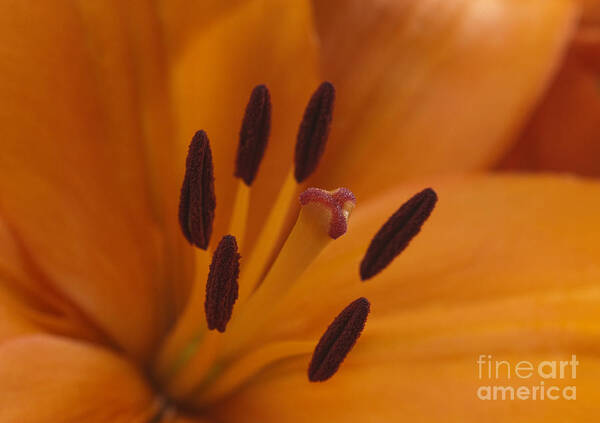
x: 563, y: 133
x: 21, y: 314
x: 259, y: 42
x: 506, y: 265
x: 29, y: 304
x: 420, y: 388
x: 84, y: 161
x: 431, y: 86
x: 50, y: 379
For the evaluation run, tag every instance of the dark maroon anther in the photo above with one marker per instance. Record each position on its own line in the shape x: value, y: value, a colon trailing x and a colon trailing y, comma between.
x: 197, y: 201
x: 254, y: 134
x: 395, y: 235
x: 313, y: 131
x: 222, y: 284
x: 338, y: 340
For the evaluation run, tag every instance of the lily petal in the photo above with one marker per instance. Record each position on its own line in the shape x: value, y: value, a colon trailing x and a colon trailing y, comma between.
x: 506, y: 265
x: 420, y: 388
x: 563, y: 133
x: 29, y: 304
x: 82, y: 116
x: 51, y: 379
x: 434, y: 85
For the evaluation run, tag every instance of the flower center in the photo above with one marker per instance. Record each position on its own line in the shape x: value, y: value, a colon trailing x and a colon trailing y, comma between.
x: 216, y: 348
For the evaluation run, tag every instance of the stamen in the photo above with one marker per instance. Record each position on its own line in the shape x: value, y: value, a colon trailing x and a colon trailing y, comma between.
x: 313, y: 131
x: 338, y: 340
x: 222, y: 285
x: 197, y: 201
x: 310, y: 145
x: 254, y: 134
x: 395, y: 235
x: 339, y: 204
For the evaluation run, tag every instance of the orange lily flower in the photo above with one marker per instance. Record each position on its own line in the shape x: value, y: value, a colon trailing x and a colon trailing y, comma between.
x: 106, y: 314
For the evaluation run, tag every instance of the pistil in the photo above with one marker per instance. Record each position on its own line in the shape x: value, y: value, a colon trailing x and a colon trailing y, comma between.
x: 323, y: 218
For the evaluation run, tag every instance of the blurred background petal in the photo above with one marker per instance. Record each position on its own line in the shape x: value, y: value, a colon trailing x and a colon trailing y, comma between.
x: 434, y: 85
x: 563, y: 133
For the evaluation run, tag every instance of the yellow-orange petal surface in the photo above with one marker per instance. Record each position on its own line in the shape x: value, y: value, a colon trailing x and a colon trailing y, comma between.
x: 85, y: 163
x: 51, y: 379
